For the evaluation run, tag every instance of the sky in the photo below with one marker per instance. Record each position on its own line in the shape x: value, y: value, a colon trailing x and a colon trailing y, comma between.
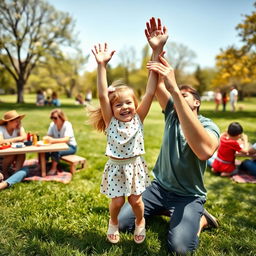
x: 204, y: 26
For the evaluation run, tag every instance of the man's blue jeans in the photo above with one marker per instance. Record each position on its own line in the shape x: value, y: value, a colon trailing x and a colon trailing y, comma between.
x: 17, y: 176
x: 249, y: 166
x: 185, y: 213
x: 56, y: 155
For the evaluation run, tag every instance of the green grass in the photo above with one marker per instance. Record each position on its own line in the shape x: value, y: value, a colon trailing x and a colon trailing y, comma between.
x: 47, y: 218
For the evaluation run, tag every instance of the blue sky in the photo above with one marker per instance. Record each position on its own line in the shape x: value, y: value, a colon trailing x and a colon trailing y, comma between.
x: 204, y: 26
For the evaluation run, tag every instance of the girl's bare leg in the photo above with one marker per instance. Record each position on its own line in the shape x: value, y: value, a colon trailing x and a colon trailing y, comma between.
x: 138, y: 209
x: 114, y: 209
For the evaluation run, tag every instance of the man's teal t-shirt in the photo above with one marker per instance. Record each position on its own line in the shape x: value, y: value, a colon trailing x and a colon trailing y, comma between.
x: 177, y: 168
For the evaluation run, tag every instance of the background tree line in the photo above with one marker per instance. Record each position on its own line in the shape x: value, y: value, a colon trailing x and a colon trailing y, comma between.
x: 39, y: 50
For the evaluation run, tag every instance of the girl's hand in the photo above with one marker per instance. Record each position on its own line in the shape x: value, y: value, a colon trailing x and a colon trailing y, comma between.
x: 101, y: 53
x: 164, y: 69
x: 156, y: 34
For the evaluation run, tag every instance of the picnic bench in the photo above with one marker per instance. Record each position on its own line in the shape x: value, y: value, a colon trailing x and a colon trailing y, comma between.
x: 74, y: 161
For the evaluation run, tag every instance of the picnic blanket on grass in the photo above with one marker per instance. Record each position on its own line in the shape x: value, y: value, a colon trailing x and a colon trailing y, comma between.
x: 243, y: 178
x: 35, y: 172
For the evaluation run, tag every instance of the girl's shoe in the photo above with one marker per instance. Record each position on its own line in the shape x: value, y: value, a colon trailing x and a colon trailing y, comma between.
x: 140, y: 231
x: 113, y: 230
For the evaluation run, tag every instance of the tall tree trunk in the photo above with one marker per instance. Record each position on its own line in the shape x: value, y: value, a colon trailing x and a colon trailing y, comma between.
x: 20, y: 86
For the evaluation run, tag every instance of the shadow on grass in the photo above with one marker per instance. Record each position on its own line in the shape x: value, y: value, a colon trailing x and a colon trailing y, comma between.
x: 90, y: 242
x: 228, y: 115
x: 32, y: 106
x: 235, y: 199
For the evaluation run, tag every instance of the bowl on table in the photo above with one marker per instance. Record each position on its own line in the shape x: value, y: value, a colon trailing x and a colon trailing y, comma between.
x: 18, y: 145
x: 28, y: 143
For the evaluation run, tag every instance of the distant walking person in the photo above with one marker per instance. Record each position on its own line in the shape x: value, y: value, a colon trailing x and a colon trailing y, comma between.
x: 233, y: 95
x: 217, y: 99
x: 224, y: 101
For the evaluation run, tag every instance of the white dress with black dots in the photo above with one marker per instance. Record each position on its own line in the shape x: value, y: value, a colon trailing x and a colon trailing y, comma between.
x: 128, y: 174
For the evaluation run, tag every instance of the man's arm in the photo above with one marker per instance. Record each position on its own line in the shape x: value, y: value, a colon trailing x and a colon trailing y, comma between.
x: 202, y: 142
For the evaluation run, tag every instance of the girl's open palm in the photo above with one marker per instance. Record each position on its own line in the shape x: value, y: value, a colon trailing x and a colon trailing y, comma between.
x: 101, y: 53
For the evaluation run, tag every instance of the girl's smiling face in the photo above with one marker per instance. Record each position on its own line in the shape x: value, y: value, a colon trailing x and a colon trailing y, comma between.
x: 124, y: 107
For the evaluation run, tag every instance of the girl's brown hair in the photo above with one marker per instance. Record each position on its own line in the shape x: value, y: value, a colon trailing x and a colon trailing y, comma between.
x: 95, y: 114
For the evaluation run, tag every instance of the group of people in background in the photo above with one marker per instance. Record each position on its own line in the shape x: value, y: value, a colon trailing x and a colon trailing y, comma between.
x: 43, y: 100
x: 222, y: 99
x: 11, y: 130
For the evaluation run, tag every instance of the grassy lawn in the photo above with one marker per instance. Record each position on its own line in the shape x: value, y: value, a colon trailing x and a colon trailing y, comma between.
x: 47, y: 218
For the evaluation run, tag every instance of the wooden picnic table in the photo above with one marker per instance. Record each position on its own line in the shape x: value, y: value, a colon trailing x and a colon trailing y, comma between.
x: 41, y: 150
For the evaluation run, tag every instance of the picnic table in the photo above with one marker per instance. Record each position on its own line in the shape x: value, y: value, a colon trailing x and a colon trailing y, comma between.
x: 41, y: 150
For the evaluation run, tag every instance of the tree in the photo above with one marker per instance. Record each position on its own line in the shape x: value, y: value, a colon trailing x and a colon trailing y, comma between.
x: 65, y: 70
x: 30, y: 29
x: 237, y: 66
x: 247, y: 31
x: 180, y: 57
x: 128, y: 62
x: 200, y: 77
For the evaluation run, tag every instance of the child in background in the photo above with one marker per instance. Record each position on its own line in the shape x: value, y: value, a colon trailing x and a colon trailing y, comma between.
x: 121, y: 118
x: 231, y: 142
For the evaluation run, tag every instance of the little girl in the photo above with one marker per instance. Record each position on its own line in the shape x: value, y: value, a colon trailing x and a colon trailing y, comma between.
x: 121, y: 118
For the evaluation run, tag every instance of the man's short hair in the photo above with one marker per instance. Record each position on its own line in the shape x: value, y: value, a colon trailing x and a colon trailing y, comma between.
x: 193, y: 91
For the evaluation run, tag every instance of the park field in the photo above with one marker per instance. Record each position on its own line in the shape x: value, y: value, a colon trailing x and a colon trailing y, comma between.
x: 50, y: 218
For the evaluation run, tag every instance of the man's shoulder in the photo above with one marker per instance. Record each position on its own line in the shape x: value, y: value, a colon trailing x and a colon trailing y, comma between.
x: 209, y: 124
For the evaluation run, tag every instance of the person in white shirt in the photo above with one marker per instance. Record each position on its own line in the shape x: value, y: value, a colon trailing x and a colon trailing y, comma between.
x: 12, y: 131
x: 60, y: 130
x: 233, y: 95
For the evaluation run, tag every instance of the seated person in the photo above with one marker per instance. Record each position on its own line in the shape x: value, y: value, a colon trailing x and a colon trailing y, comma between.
x: 79, y: 99
x: 11, y: 131
x: 40, y: 99
x: 231, y: 142
x: 249, y: 165
x: 60, y: 130
x: 55, y: 100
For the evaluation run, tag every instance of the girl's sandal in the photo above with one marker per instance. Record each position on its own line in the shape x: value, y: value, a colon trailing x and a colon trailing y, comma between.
x: 113, y: 230
x: 140, y: 231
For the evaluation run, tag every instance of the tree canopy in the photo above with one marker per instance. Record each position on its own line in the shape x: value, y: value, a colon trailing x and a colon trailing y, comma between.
x: 30, y: 29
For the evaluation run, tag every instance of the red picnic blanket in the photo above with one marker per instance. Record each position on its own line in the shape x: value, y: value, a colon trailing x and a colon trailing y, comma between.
x: 34, y: 173
x: 244, y: 178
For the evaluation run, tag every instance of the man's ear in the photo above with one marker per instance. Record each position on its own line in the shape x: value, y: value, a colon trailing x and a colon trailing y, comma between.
x: 197, y: 103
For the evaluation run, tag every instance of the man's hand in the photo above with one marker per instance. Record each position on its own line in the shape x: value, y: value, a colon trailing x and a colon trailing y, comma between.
x: 101, y: 53
x: 164, y: 69
x: 156, y: 34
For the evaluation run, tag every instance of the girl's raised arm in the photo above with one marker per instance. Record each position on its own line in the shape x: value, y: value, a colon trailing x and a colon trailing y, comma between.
x: 102, y: 57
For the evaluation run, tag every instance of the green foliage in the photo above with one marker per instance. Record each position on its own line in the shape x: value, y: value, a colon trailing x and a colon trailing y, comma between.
x: 47, y: 218
x: 29, y: 30
x: 236, y: 65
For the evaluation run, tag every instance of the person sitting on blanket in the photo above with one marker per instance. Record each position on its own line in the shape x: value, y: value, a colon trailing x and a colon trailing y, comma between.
x: 249, y: 165
x: 11, y: 131
x: 232, y: 141
x: 60, y: 130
